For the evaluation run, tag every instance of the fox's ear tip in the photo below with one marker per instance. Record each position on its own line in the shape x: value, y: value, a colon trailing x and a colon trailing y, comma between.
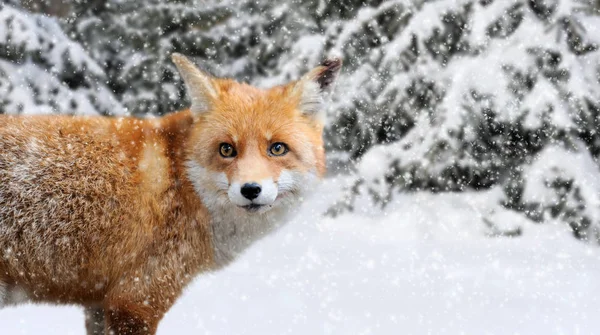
x: 176, y: 57
x: 333, y: 64
x: 328, y: 72
x: 317, y: 83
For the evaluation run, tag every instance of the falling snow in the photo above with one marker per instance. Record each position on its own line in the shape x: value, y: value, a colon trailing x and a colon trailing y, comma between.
x: 463, y: 141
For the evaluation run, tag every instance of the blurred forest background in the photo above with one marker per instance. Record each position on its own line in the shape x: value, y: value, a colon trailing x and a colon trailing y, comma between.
x: 435, y: 96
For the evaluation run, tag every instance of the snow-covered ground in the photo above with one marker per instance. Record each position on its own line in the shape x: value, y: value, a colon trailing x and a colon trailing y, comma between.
x: 425, y: 266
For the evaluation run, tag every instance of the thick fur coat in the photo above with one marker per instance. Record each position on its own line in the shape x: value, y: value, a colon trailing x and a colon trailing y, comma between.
x: 119, y: 214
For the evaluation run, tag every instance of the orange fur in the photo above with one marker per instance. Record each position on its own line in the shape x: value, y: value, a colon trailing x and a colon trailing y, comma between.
x: 103, y: 212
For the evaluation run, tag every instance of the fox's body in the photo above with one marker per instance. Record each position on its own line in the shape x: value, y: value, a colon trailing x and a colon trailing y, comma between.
x: 88, y: 202
x: 119, y: 214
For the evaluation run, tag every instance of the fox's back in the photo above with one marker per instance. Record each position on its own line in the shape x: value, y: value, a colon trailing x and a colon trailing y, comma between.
x: 64, y: 184
x: 55, y: 169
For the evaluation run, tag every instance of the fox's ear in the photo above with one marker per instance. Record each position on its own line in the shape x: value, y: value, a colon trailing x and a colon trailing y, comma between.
x: 316, y: 84
x: 200, y: 86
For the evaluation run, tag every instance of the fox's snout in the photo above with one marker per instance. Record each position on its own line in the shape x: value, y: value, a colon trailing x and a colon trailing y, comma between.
x: 252, y: 193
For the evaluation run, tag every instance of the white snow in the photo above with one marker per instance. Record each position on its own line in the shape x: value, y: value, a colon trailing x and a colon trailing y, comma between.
x: 43, y: 34
x: 558, y: 163
x: 423, y: 265
x: 31, y: 90
x: 34, y: 79
x: 426, y: 263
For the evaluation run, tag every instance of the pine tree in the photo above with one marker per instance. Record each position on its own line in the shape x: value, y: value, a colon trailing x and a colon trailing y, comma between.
x: 44, y: 71
x: 134, y: 41
x: 245, y: 40
x: 469, y: 95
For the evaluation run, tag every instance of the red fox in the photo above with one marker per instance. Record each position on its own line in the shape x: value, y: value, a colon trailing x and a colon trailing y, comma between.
x: 119, y: 214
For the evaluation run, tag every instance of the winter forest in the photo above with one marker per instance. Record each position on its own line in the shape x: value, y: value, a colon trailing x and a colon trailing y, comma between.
x: 463, y: 154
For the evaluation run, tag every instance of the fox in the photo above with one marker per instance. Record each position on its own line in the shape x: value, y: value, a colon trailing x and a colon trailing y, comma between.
x: 119, y: 214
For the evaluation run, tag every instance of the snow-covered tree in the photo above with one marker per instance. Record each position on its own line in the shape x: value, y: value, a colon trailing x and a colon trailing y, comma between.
x: 43, y: 71
x: 471, y: 94
x: 262, y: 42
x: 133, y: 40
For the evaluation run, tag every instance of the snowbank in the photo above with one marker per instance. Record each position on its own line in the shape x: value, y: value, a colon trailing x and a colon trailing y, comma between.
x: 425, y: 265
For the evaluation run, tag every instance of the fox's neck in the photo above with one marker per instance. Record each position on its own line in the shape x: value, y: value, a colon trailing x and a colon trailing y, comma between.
x: 232, y: 231
x: 186, y: 232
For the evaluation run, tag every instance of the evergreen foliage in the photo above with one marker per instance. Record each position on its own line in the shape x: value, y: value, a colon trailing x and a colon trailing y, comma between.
x: 44, y: 71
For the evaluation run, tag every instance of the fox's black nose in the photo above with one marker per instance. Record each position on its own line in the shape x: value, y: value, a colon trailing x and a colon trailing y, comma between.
x: 250, y: 191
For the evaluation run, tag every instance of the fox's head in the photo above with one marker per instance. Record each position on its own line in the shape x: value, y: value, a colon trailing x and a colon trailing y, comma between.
x: 255, y: 149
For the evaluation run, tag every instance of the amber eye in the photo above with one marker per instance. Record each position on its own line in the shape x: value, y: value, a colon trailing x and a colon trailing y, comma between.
x: 226, y: 150
x: 278, y: 149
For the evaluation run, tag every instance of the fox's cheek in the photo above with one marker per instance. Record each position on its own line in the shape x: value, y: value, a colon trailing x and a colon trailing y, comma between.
x: 296, y: 183
x: 220, y: 180
x: 208, y: 184
x: 289, y: 181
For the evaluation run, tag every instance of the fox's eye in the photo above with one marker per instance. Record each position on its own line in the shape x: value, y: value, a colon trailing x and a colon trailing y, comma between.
x: 226, y: 150
x: 278, y: 149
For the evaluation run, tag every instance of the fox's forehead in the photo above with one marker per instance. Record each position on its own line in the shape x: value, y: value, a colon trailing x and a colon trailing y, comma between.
x: 235, y: 97
x: 228, y: 89
x: 244, y: 111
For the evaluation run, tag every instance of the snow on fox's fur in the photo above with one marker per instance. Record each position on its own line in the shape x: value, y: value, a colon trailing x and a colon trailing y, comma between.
x: 119, y: 214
